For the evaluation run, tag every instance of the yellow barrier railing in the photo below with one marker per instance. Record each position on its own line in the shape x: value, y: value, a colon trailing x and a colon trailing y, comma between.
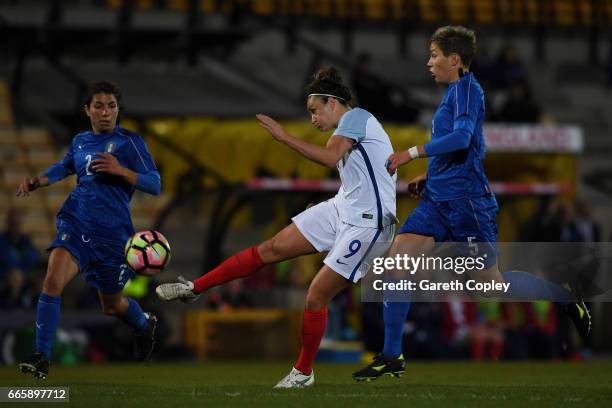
x: 269, y: 333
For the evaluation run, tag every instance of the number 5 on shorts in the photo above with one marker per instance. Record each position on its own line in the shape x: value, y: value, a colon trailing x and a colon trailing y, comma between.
x: 473, y: 246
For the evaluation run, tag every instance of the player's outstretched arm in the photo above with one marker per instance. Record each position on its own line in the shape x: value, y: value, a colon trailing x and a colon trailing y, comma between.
x: 403, y: 157
x: 30, y: 184
x: 328, y: 155
x: 108, y: 163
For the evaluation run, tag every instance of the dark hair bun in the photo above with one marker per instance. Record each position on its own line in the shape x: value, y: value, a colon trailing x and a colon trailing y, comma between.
x: 328, y: 81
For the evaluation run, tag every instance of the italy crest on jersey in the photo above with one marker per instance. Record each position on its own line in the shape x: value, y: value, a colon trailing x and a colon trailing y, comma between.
x: 110, y: 147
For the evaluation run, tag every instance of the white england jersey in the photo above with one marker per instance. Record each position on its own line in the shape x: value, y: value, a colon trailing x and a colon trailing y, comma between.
x: 367, y: 195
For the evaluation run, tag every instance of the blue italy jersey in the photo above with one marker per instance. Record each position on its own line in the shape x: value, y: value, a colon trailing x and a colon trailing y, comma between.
x: 99, y: 204
x: 459, y: 174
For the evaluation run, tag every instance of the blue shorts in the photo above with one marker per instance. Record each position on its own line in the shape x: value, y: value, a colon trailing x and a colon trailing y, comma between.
x: 469, y: 220
x: 101, y: 260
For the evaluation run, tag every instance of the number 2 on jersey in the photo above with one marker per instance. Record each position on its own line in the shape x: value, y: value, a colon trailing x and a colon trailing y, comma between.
x: 87, y: 166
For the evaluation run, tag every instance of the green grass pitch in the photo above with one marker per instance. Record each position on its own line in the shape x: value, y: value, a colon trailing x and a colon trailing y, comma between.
x: 240, y: 384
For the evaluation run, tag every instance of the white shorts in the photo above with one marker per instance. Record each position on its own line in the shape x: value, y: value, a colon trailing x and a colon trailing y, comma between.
x: 351, y: 248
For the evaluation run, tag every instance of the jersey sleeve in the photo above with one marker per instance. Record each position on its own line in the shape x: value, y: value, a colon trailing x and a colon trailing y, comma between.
x: 63, y: 168
x: 140, y: 158
x: 468, y: 104
x: 353, y: 124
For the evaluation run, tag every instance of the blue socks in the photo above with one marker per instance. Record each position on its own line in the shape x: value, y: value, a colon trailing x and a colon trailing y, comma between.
x: 134, y: 316
x: 394, y: 315
x: 48, y: 314
x: 527, y: 287
x: 47, y: 317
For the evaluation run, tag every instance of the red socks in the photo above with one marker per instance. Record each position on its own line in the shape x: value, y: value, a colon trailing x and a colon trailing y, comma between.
x: 247, y: 262
x: 313, y: 327
x: 237, y: 266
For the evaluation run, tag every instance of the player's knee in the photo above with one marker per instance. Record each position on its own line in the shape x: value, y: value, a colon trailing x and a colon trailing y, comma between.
x: 315, y: 301
x: 271, y: 250
x: 54, y: 283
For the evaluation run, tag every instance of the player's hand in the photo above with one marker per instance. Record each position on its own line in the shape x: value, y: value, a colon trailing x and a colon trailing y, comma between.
x: 28, y: 185
x: 272, y: 126
x: 396, y: 160
x: 107, y: 163
x: 417, y: 185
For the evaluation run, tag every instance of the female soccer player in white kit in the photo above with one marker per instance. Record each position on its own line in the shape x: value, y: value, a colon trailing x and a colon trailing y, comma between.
x: 353, y: 227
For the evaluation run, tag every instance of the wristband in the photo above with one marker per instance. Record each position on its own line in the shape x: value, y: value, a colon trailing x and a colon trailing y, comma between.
x: 413, y: 152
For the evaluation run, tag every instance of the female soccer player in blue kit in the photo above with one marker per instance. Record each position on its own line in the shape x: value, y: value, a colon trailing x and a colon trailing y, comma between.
x: 457, y: 203
x: 94, y: 223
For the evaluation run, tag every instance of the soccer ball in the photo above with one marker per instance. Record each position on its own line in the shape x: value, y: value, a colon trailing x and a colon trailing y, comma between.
x: 147, y: 252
